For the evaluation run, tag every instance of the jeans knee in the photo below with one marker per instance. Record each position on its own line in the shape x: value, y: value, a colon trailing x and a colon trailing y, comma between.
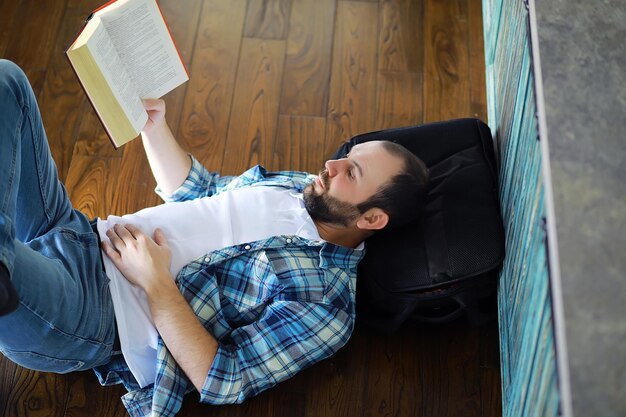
x: 13, y: 80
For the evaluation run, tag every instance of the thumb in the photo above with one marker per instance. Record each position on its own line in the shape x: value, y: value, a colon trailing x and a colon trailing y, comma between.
x: 159, y: 238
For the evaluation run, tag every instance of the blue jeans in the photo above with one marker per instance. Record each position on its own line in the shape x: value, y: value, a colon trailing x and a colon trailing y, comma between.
x: 65, y: 320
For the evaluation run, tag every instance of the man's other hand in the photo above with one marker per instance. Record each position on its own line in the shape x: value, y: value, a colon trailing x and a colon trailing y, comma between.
x: 143, y: 261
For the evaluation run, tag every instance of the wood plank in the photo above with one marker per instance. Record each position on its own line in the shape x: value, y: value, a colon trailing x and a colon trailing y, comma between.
x: 32, y: 38
x: 337, y: 383
x: 7, y: 372
x: 307, y: 66
x: 352, y: 102
x: 401, y: 38
x: 37, y: 394
x: 91, y: 139
x: 478, y: 95
x: 395, y: 387
x: 135, y: 190
x: 8, y: 11
x: 452, y: 381
x: 251, y: 133
x: 490, y: 389
x: 290, y: 405
x: 91, y: 185
x: 299, y: 143
x: 267, y: 19
x: 399, y: 99
x: 259, y: 406
x: 88, y: 399
x: 446, y: 69
x: 209, y: 93
x: 62, y: 95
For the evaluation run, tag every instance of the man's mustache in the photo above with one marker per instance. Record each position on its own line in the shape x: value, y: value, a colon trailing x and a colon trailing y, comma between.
x: 323, y: 175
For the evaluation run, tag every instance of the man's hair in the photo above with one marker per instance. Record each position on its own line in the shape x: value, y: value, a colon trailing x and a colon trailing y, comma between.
x: 403, y: 196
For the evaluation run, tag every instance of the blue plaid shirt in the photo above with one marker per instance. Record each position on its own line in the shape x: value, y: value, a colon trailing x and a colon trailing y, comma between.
x: 276, y: 306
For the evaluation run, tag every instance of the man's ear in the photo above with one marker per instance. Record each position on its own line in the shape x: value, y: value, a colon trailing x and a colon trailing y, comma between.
x: 373, y: 219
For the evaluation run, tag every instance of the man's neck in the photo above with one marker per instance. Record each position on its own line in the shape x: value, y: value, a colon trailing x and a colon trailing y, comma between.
x: 340, y: 235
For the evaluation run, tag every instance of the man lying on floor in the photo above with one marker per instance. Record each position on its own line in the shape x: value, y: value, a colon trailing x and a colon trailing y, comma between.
x: 234, y: 285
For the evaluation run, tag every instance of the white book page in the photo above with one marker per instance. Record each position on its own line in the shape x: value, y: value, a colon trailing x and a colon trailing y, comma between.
x: 145, y: 46
x: 109, y: 62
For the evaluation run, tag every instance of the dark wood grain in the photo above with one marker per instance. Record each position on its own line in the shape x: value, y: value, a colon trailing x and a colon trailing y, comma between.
x: 91, y: 184
x: 399, y: 99
x: 478, y: 95
x: 8, y: 11
x: 35, y: 27
x: 280, y: 83
x: 206, y: 110
x: 91, y: 138
x: 133, y: 178
x: 340, y: 382
x: 7, y: 373
x: 490, y: 387
x: 267, y: 19
x: 307, y: 66
x: 351, y: 107
x: 62, y: 95
x: 35, y: 394
x: 300, y: 143
x: 88, y: 399
x: 446, y: 69
x: 452, y: 381
x: 396, y: 387
x: 251, y: 134
x: 401, y: 36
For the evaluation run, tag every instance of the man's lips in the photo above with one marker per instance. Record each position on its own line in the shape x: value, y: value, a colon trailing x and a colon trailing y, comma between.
x: 319, y: 182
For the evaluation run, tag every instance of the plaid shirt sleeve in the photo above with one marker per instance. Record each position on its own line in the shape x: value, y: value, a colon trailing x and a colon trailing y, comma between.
x: 289, y: 337
x: 199, y: 183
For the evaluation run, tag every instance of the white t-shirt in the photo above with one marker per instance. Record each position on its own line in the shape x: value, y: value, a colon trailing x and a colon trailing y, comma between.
x: 194, y: 228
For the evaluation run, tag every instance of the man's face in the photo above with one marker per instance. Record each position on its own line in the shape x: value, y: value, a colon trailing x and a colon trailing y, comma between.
x: 344, y: 183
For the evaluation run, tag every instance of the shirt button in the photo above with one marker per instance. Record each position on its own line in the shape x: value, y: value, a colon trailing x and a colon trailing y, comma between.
x: 289, y: 240
x: 207, y: 259
x: 247, y: 247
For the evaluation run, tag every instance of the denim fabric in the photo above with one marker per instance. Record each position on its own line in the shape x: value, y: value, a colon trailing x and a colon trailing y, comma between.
x: 65, y: 320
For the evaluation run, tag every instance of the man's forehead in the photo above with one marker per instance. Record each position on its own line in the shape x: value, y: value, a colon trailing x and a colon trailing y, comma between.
x: 365, y: 150
x: 374, y: 158
x: 366, y: 145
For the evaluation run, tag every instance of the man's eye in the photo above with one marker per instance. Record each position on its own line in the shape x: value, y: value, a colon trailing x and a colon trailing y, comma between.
x: 351, y: 173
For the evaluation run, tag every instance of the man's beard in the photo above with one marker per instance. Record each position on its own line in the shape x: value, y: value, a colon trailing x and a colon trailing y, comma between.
x: 327, y: 209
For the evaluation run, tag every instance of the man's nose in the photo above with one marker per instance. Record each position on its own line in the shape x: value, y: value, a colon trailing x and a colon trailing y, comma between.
x: 333, y: 166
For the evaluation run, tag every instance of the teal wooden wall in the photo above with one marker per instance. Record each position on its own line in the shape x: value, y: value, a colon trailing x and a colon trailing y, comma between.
x: 527, y: 348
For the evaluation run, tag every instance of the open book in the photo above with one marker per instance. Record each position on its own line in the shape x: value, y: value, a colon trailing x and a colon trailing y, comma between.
x: 123, y: 54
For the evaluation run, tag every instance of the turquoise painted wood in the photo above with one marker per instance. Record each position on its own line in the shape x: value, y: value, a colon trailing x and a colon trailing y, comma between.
x: 527, y: 348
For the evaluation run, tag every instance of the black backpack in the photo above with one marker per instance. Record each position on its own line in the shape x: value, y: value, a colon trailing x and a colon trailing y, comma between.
x: 444, y: 265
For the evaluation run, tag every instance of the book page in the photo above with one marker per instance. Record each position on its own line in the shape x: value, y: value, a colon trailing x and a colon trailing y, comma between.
x: 113, y: 70
x: 145, y: 46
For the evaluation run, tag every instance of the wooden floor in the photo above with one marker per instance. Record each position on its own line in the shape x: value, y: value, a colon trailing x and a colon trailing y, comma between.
x: 281, y: 83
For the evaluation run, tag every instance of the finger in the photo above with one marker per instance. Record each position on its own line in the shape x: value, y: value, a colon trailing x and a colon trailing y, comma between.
x: 160, y: 238
x: 134, y: 230
x: 110, y: 252
x: 115, y: 239
x: 123, y: 232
